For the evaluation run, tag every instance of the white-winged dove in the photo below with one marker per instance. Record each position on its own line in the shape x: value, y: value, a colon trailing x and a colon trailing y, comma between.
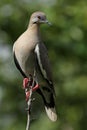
x: 31, y: 58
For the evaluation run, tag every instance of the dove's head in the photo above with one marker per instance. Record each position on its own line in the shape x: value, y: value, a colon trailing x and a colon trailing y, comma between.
x: 39, y: 18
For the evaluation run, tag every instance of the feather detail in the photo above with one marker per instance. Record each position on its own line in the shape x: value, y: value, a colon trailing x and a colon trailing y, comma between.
x: 51, y: 112
x: 39, y: 61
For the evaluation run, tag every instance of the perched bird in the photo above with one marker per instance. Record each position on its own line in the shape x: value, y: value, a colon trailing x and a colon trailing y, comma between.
x: 31, y: 58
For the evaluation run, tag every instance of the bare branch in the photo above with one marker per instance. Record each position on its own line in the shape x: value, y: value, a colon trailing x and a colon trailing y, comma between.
x: 28, y: 109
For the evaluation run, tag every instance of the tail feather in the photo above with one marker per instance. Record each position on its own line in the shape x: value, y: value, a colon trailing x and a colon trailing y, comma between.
x: 51, y: 112
x: 49, y: 103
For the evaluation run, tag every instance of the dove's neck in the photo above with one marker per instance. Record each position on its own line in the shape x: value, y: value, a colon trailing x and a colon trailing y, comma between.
x: 35, y: 30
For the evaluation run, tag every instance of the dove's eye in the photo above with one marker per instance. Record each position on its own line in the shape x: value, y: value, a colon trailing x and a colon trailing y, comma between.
x: 39, y: 17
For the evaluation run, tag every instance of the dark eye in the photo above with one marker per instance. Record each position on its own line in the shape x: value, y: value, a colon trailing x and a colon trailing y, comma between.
x: 39, y: 17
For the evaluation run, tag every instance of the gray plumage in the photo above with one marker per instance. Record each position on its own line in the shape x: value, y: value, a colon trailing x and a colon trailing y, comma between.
x: 31, y: 57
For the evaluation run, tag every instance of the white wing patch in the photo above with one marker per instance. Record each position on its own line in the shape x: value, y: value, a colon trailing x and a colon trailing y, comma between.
x: 39, y: 61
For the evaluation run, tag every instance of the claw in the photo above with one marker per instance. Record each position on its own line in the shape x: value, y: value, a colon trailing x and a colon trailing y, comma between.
x: 27, y: 95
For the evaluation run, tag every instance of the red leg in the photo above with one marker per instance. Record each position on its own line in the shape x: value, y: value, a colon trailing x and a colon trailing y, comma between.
x: 26, y: 82
x: 35, y: 87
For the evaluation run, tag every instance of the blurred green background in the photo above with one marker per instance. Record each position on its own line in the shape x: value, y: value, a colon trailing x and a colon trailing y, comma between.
x: 66, y: 41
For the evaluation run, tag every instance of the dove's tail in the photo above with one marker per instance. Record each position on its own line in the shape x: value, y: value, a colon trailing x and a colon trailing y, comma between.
x: 49, y: 103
